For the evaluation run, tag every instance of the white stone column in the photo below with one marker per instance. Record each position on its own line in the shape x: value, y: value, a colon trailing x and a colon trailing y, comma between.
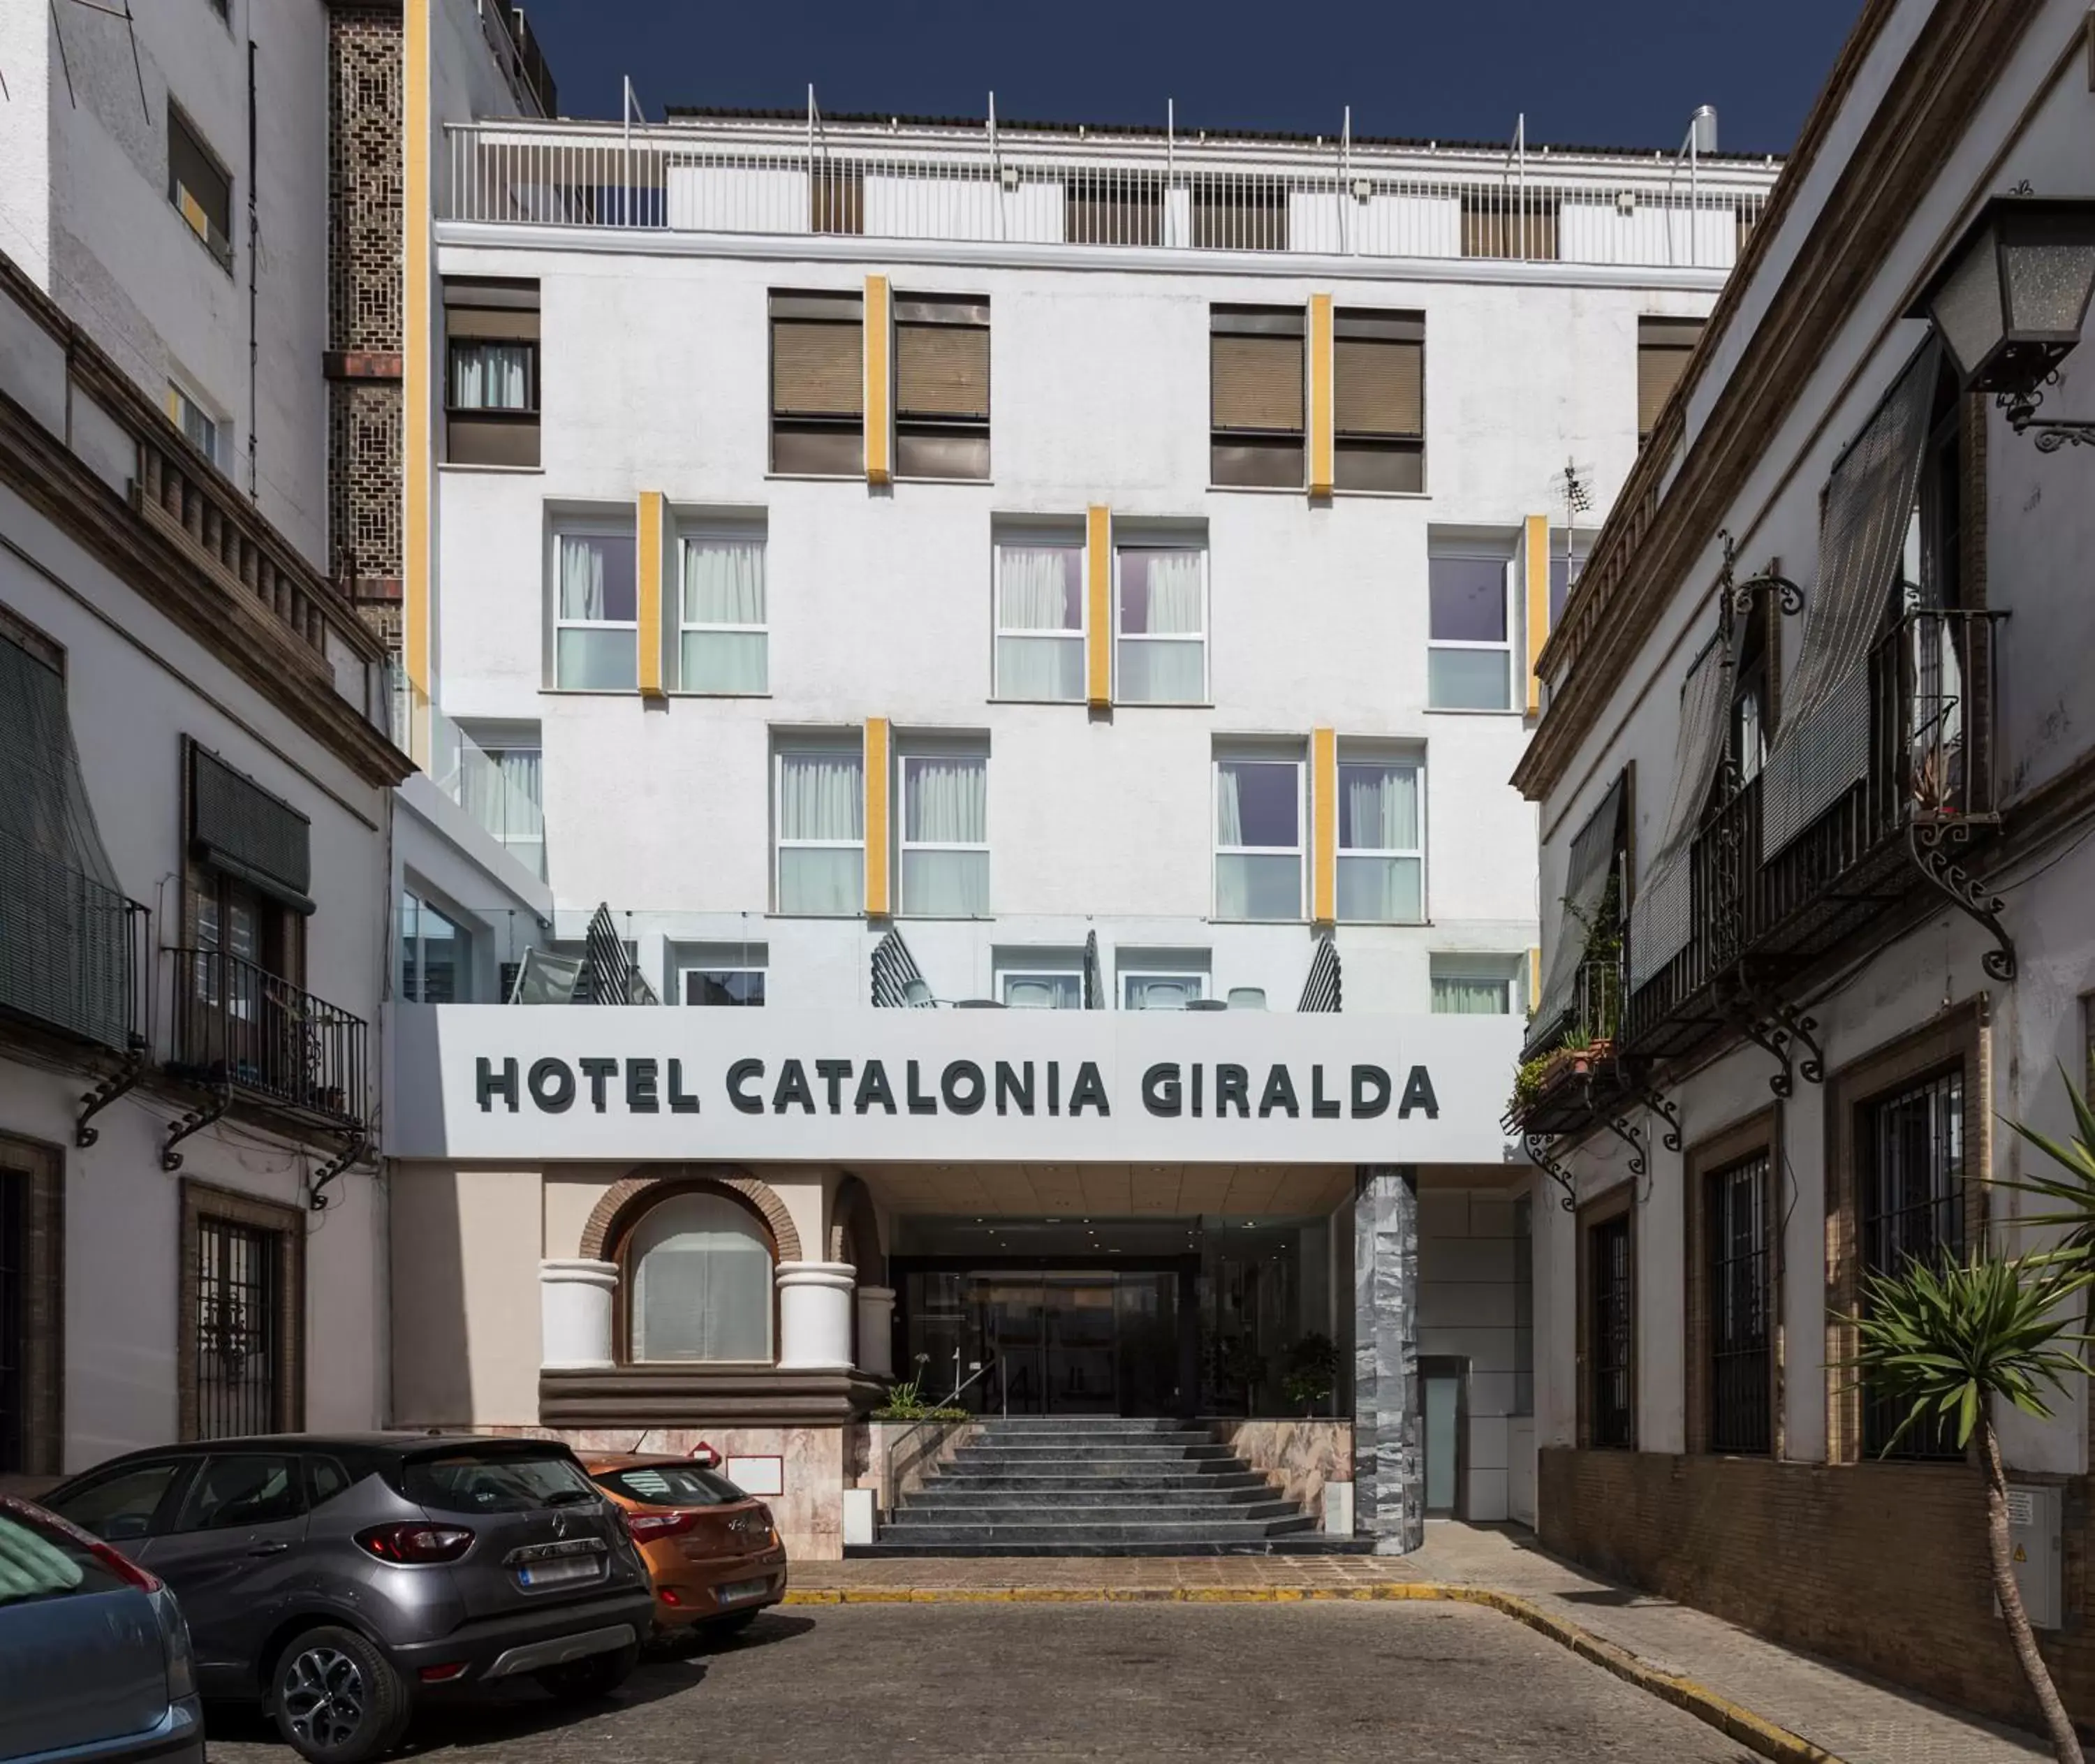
x: 815, y: 1316
x: 575, y: 1299
x: 876, y: 1333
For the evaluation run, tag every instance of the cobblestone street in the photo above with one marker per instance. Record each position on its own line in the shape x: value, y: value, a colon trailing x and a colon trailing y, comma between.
x: 1430, y: 1684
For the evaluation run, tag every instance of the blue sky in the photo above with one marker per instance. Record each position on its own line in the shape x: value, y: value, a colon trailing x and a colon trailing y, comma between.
x: 1606, y: 73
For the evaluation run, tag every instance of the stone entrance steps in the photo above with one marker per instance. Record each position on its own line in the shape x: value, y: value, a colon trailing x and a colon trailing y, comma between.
x: 1088, y: 1487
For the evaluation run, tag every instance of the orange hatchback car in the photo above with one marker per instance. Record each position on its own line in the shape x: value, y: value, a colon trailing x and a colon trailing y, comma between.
x: 712, y: 1552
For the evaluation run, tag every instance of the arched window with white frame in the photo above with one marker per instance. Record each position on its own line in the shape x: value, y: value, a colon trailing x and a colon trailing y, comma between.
x: 699, y: 1267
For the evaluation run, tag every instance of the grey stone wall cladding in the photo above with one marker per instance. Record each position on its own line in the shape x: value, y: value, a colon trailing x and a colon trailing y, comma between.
x: 1389, y: 1477
x: 365, y: 196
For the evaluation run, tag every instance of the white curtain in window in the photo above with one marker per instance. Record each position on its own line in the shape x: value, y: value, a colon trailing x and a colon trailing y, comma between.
x: 1379, y: 808
x: 1229, y: 807
x: 724, y: 585
x: 1036, y: 588
x: 1174, y: 593
x: 945, y: 802
x: 819, y: 797
x: 582, y: 577
x: 702, y: 1281
x: 1454, y: 996
x: 1250, y: 884
x: 492, y: 376
x: 1170, y: 606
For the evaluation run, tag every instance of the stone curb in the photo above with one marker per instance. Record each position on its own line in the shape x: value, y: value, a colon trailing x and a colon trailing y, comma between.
x: 1756, y: 1733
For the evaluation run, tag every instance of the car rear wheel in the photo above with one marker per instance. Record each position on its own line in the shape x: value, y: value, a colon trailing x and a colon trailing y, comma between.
x: 594, y: 1675
x: 336, y: 1699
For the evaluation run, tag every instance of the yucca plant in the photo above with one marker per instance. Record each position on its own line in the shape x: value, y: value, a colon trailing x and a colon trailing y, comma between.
x: 1947, y: 1339
x: 2072, y: 1192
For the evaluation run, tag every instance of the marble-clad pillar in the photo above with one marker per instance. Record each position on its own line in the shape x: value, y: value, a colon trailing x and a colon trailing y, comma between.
x: 1389, y: 1491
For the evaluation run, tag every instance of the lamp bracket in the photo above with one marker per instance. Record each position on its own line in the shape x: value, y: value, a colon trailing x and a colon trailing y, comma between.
x: 1935, y: 846
x: 2021, y: 408
x: 1538, y: 1147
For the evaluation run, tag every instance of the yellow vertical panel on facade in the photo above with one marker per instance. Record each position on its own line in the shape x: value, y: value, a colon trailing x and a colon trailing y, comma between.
x: 1098, y: 591
x: 650, y: 565
x: 1537, y: 549
x: 1534, y: 977
x: 1321, y: 408
x: 417, y: 387
x: 1324, y: 824
x: 879, y: 381
x: 876, y: 816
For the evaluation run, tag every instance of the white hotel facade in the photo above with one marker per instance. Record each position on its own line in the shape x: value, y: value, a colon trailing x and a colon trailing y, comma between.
x: 906, y: 565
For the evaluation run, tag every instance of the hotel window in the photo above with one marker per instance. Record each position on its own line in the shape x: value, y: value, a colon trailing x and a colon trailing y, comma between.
x: 1258, y: 838
x: 1161, y: 624
x: 944, y: 842
x: 436, y: 955
x: 1476, y: 986
x: 1469, y: 665
x: 699, y: 1269
x: 1255, y: 394
x: 1663, y: 348
x: 821, y: 817
x: 490, y: 372
x: 1569, y: 548
x: 727, y: 974
x: 1735, y: 1223
x: 1039, y: 592
x: 1378, y: 400
x: 818, y: 384
x: 1161, y: 979
x: 201, y: 429
x: 1040, y: 979
x: 595, y: 613
x: 1611, y: 1334
x: 941, y: 386
x: 199, y: 187
x: 1382, y: 857
x: 1910, y: 1154
x: 502, y: 786
x: 723, y: 636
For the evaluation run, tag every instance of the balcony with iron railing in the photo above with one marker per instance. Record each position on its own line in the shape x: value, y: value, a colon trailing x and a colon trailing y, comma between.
x: 73, y: 951
x: 1758, y: 924
x: 1043, y: 188
x: 254, y: 1037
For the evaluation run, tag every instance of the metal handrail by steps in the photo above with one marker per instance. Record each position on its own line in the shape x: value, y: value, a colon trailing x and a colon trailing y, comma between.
x: 887, y: 1486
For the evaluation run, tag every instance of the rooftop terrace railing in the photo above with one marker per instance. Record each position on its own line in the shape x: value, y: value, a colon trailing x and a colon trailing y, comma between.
x: 965, y: 189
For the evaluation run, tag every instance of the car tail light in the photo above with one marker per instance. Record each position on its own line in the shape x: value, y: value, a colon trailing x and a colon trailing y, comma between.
x: 124, y: 1569
x: 415, y: 1544
x: 645, y: 1527
x: 668, y: 1595
x: 438, y: 1674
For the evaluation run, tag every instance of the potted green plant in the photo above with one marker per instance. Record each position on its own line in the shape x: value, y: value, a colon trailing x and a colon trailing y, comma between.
x: 1312, y: 1372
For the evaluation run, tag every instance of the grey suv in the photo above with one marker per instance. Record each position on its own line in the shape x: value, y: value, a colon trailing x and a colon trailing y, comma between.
x: 342, y: 1578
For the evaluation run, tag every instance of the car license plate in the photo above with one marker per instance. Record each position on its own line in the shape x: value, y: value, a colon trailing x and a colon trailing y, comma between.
x: 560, y: 1571
x: 742, y: 1589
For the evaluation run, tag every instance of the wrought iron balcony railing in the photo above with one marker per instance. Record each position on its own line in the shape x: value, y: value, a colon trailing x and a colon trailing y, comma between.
x: 72, y: 953
x: 1927, y: 790
x: 239, y: 1029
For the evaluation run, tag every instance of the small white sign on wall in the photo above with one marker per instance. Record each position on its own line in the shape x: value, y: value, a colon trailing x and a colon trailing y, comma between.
x: 757, y: 1475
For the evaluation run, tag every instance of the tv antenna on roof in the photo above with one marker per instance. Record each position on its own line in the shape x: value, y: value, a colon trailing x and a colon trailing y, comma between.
x: 1574, y: 484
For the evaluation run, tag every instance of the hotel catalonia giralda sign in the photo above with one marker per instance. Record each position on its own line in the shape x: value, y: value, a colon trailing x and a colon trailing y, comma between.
x: 556, y: 1083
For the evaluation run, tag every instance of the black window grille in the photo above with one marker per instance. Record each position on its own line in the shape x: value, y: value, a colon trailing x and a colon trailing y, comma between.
x: 1613, y: 1332
x: 1737, y: 1213
x: 239, y: 1334
x: 14, y: 1320
x: 1912, y: 1181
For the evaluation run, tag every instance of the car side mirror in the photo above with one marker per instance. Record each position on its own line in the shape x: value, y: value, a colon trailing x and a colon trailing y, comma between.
x: 123, y: 1526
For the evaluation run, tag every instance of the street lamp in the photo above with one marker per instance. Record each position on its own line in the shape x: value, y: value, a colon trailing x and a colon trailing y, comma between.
x: 2009, y: 300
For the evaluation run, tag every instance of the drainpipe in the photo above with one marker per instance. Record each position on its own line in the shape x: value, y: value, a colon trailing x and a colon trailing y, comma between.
x: 254, y: 337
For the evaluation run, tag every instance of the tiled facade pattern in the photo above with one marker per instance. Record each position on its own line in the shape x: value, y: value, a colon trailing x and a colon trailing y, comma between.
x: 366, y: 197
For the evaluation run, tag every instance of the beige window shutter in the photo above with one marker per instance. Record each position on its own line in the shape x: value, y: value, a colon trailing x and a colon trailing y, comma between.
x: 817, y: 369
x: 1257, y: 382
x: 942, y: 370
x: 1381, y: 387
x: 1663, y: 348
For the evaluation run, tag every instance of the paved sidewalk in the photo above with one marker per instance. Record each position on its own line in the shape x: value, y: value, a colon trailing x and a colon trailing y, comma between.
x: 1857, y: 1719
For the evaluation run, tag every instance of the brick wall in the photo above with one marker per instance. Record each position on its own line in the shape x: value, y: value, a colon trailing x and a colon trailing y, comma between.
x: 366, y: 195
x: 1879, y: 1565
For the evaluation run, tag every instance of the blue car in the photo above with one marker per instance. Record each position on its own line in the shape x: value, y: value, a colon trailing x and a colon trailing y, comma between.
x: 95, y: 1665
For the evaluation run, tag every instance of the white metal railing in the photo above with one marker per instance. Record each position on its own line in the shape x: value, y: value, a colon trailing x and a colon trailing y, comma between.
x: 464, y: 771
x: 676, y: 178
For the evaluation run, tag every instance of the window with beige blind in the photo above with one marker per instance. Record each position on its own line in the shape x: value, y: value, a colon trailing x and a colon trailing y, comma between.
x: 490, y: 370
x: 941, y: 386
x: 200, y: 187
x: 1256, y: 395
x: 1378, y: 400
x: 818, y: 384
x: 1663, y: 348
